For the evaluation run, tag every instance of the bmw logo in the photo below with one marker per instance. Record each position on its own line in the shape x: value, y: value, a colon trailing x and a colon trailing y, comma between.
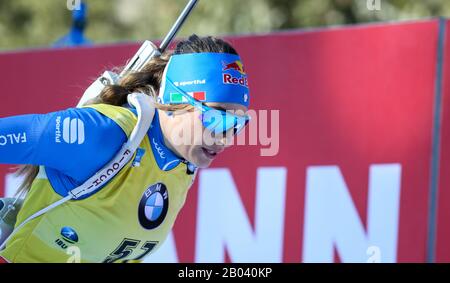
x: 69, y: 235
x: 153, y: 206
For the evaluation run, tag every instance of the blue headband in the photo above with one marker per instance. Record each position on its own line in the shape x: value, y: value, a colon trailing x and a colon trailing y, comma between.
x: 208, y: 77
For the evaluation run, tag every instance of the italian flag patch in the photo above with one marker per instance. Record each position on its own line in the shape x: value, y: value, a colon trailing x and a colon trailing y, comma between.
x: 179, y: 98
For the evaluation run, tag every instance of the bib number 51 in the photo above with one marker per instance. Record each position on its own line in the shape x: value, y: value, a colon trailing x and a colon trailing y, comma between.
x: 127, y: 247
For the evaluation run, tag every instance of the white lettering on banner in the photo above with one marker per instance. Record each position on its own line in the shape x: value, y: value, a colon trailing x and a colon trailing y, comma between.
x: 222, y: 221
x: 331, y: 219
x: 167, y: 253
x: 14, y: 138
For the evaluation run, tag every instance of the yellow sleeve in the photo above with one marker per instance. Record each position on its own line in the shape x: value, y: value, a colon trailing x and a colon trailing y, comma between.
x: 121, y: 115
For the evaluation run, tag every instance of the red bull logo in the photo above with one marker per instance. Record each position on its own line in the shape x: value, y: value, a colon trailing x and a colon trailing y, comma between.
x: 230, y: 79
x: 236, y: 65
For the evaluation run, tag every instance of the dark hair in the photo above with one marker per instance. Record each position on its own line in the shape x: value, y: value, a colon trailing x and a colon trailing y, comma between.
x: 148, y: 81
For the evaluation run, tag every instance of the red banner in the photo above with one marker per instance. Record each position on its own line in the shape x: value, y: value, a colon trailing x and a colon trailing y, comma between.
x: 349, y: 175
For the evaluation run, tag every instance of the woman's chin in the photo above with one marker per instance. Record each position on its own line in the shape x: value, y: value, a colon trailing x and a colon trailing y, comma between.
x: 202, y: 163
x: 199, y: 158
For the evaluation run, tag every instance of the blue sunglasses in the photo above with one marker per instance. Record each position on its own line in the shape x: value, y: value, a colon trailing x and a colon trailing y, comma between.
x: 215, y: 120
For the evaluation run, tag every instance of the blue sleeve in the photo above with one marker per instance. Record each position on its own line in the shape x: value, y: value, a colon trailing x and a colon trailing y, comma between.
x: 76, y: 142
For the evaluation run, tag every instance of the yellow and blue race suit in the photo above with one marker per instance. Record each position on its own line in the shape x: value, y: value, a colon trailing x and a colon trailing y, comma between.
x: 127, y: 219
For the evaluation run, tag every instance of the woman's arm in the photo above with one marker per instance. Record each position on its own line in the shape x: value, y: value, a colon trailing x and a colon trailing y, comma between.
x: 76, y: 141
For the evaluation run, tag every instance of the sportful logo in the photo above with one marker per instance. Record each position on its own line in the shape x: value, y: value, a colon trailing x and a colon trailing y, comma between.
x: 73, y: 131
x: 193, y: 82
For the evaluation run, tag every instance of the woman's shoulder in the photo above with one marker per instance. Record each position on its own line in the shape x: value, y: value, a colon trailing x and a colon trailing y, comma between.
x: 123, y: 116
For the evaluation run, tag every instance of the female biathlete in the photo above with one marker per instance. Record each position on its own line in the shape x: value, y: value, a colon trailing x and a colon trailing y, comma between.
x: 132, y: 214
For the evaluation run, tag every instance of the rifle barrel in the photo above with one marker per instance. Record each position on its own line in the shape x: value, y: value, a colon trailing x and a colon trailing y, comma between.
x: 177, y: 25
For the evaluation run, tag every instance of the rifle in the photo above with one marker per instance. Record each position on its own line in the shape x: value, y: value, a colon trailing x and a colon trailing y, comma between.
x: 146, y: 52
